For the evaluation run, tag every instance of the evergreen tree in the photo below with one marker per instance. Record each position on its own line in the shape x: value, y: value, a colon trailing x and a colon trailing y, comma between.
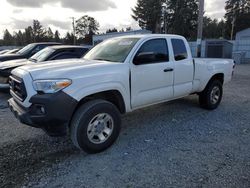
x: 57, y: 36
x: 69, y: 38
x: 28, y: 35
x: 19, y: 38
x: 213, y: 29
x: 128, y: 29
x: 237, y: 13
x: 182, y: 17
x: 7, y: 38
x: 49, y: 35
x: 148, y: 14
x: 114, y: 30
x: 38, y: 31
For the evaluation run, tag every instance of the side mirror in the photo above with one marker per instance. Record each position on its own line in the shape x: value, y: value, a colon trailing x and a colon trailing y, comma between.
x: 144, y: 58
x: 180, y: 57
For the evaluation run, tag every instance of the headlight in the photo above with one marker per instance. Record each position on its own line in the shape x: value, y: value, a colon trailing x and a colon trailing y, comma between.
x: 51, y: 86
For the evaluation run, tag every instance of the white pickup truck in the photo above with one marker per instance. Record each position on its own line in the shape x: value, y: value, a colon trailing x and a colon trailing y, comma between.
x: 86, y: 97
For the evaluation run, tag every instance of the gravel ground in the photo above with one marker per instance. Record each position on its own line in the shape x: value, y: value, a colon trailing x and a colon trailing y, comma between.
x: 174, y: 144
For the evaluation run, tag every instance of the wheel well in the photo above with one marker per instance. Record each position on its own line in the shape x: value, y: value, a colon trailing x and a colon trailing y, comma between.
x: 112, y: 96
x: 219, y: 77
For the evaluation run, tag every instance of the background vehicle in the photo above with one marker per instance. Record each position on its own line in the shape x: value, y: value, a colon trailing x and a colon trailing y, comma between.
x: 47, y: 54
x: 4, y: 52
x: 117, y: 76
x: 27, y: 51
x: 13, y: 51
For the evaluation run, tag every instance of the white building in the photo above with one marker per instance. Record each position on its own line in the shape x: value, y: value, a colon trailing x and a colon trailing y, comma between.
x: 241, y: 49
x: 99, y: 38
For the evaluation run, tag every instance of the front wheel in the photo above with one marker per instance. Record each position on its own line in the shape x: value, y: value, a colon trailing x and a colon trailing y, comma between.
x: 211, y: 97
x: 95, y: 126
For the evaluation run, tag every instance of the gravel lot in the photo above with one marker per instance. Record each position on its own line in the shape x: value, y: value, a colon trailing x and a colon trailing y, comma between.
x: 174, y: 144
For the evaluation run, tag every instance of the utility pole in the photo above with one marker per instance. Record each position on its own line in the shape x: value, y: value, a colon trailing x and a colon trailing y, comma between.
x: 200, y: 27
x: 233, y: 25
x: 164, y: 19
x: 74, y: 29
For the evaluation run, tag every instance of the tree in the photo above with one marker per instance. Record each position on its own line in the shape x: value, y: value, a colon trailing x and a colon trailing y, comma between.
x: 57, y: 36
x: 114, y: 30
x: 19, y: 38
x: 148, y: 14
x: 86, y: 25
x: 7, y: 38
x: 237, y: 12
x: 49, y: 35
x: 28, y: 35
x: 182, y: 17
x: 38, y: 31
x: 128, y: 29
x: 69, y: 38
x: 213, y: 28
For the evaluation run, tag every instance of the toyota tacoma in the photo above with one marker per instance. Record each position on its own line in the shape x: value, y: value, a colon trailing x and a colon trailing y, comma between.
x: 86, y: 97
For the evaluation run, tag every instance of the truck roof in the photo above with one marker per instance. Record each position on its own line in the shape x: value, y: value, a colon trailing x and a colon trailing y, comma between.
x: 145, y: 36
x: 67, y: 46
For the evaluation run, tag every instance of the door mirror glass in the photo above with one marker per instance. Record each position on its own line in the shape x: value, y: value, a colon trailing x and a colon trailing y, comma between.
x: 180, y: 57
x: 144, y: 58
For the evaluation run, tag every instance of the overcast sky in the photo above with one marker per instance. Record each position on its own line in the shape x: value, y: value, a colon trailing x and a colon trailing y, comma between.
x: 18, y: 14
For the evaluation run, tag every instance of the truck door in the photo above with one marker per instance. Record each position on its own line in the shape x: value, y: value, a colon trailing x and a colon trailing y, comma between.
x: 151, y: 74
x: 183, y: 68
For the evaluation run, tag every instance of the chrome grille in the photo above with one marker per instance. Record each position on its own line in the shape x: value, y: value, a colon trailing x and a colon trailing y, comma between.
x: 17, y: 88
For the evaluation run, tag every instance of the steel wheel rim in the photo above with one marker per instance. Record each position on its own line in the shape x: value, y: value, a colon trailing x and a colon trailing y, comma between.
x: 100, y: 128
x: 215, y: 95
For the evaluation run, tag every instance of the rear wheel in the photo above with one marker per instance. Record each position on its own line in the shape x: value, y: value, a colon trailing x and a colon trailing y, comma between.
x: 95, y: 126
x: 211, y: 97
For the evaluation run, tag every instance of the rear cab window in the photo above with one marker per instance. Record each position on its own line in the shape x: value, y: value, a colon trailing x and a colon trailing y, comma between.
x: 179, y: 49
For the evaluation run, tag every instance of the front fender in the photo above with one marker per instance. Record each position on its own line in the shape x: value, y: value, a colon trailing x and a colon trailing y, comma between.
x: 82, y: 92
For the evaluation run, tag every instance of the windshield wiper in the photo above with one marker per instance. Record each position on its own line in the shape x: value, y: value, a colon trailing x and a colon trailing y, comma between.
x: 101, y: 59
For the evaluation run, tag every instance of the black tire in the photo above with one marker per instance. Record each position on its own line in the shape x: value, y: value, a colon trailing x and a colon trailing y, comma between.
x: 81, y: 120
x: 205, y: 98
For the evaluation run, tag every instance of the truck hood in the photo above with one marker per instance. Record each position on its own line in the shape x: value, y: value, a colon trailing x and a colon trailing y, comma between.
x: 69, y: 68
x: 11, y: 64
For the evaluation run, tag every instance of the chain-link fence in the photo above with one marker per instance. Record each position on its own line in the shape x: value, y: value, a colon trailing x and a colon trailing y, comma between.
x: 241, y: 51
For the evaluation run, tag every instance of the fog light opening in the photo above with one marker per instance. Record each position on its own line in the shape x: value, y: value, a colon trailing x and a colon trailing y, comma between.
x: 40, y: 110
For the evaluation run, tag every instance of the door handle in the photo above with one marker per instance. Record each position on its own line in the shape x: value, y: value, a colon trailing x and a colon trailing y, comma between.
x: 168, y: 70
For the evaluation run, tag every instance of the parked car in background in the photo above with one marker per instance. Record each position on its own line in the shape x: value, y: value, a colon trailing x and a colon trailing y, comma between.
x: 27, y: 51
x: 86, y: 97
x: 4, y: 52
x: 13, y: 51
x: 47, y: 54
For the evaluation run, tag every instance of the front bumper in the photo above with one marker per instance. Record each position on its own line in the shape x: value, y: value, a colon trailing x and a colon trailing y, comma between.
x: 51, y: 112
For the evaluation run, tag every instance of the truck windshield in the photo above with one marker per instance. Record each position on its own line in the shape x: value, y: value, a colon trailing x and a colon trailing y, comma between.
x: 114, y: 50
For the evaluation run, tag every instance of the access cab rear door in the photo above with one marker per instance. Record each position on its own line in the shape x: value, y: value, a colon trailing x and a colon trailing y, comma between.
x: 183, y: 67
